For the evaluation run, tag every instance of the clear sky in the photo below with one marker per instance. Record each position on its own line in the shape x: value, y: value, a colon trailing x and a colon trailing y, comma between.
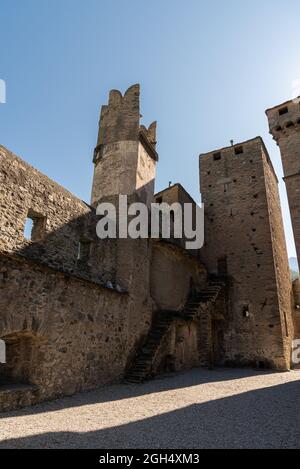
x: 208, y: 70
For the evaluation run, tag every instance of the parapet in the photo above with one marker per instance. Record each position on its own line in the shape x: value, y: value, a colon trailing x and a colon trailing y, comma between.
x: 284, y: 119
x: 120, y: 121
x: 243, y: 149
x: 150, y: 133
x: 120, y: 118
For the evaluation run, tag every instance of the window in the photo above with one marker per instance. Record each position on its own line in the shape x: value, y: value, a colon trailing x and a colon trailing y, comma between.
x: 18, y: 364
x: 84, y: 249
x: 28, y: 228
x: 217, y: 156
x: 34, y: 228
x: 290, y: 124
x: 283, y: 110
x: 245, y: 311
x: 238, y: 150
x: 222, y: 265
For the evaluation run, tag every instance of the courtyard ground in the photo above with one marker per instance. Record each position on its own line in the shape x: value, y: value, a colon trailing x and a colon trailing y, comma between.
x: 195, y: 409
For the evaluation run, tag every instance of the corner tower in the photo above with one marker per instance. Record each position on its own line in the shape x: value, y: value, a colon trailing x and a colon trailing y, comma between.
x: 125, y: 156
x: 244, y: 241
x: 284, y: 123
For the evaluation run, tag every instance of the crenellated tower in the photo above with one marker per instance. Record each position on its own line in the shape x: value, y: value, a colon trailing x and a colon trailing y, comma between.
x: 284, y: 123
x: 125, y: 156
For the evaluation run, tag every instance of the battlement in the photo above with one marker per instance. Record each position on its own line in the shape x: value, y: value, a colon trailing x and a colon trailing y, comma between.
x: 284, y: 119
x: 150, y: 133
x: 125, y: 156
x: 120, y: 122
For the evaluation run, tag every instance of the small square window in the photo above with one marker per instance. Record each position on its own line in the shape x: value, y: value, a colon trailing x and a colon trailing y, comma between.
x: 84, y: 249
x: 283, y: 110
x: 239, y: 150
x: 217, y: 156
x: 34, y: 228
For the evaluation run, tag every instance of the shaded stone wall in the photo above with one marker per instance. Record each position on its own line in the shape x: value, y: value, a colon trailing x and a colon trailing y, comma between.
x: 87, y: 326
x: 81, y: 331
x: 176, y: 194
x: 296, y: 307
x: 65, y: 222
x: 174, y: 273
x: 180, y: 349
x: 239, y: 191
x: 282, y: 270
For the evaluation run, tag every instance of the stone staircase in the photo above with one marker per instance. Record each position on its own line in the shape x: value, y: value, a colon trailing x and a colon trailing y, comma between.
x: 208, y: 295
x: 141, y: 369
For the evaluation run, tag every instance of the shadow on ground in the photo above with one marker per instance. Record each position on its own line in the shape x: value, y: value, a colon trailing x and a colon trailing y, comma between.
x: 118, y: 392
x: 263, y: 418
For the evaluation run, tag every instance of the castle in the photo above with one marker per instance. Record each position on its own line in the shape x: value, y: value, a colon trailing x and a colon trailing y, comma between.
x: 78, y: 312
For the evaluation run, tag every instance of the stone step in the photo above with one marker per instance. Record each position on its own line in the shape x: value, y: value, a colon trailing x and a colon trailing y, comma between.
x: 141, y: 368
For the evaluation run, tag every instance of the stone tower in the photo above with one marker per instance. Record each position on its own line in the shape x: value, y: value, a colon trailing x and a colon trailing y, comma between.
x: 284, y: 122
x: 244, y: 240
x: 125, y: 156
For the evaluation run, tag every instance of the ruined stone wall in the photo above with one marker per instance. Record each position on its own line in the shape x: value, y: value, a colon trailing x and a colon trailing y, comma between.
x: 63, y: 222
x: 88, y: 324
x: 239, y: 243
x: 71, y: 323
x: 82, y: 334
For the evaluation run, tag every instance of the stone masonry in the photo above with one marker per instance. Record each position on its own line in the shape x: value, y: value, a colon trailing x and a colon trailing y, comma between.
x: 244, y: 240
x: 78, y: 312
x: 284, y: 122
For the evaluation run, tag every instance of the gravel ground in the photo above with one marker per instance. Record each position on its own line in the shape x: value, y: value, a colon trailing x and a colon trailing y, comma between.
x: 195, y: 409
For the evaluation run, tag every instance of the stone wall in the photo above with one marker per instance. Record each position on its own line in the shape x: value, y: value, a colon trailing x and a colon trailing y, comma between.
x: 81, y: 331
x: 180, y: 349
x: 63, y: 222
x: 125, y: 156
x: 296, y: 307
x: 240, y: 194
x: 284, y: 122
x: 177, y: 195
x: 174, y: 273
x: 282, y: 270
x: 74, y: 309
x: 86, y: 326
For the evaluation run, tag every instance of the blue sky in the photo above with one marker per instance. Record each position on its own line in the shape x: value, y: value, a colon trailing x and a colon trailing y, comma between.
x: 208, y: 71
